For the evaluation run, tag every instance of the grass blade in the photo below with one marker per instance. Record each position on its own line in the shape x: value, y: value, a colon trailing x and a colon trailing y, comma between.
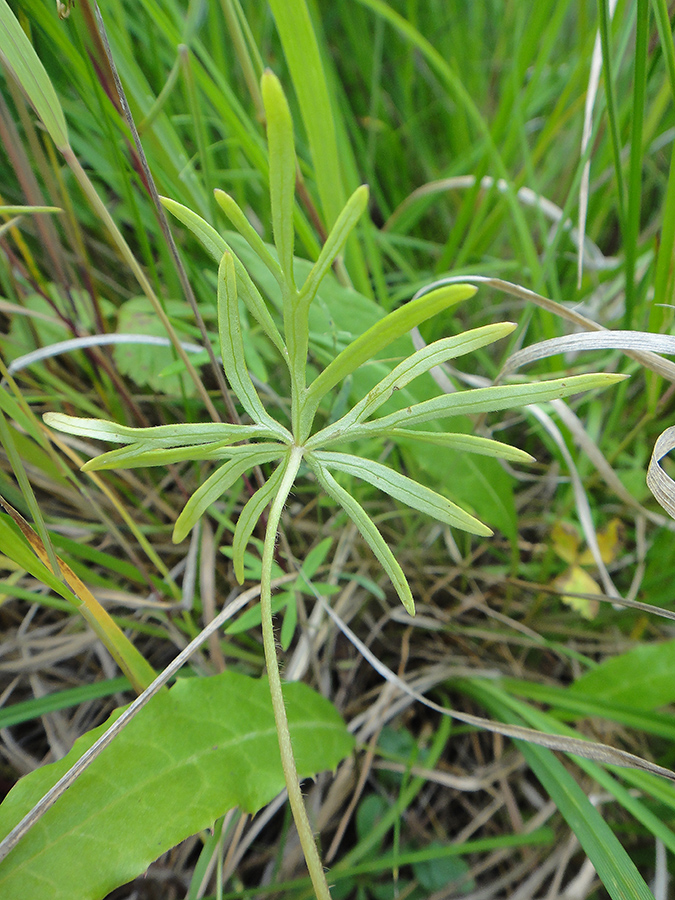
x: 19, y: 57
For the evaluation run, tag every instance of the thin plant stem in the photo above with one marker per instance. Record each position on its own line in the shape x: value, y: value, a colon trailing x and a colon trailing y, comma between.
x: 124, y: 249
x: 305, y: 834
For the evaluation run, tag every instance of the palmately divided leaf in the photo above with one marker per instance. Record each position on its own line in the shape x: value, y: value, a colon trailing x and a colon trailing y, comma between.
x: 222, y: 479
x: 335, y: 242
x: 282, y: 169
x: 466, y: 443
x: 179, y: 435
x: 217, y: 246
x: 140, y: 455
x: 479, y: 400
x: 379, y: 336
x: 412, y: 367
x: 368, y: 531
x: 249, y: 516
x: 405, y: 489
x: 206, y: 234
x: 236, y: 215
x: 232, y: 349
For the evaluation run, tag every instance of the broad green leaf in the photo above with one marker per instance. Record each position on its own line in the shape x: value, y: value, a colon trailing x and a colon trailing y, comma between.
x: 381, y: 334
x: 335, y: 242
x: 643, y: 677
x: 182, y: 434
x: 282, y: 169
x: 197, y: 750
x: 234, y: 213
x: 368, y: 530
x: 19, y: 57
x: 481, y: 400
x: 223, y: 478
x: 414, y: 365
x: 249, y: 516
x: 465, y: 443
x: 402, y: 488
x: 232, y: 349
x: 217, y: 246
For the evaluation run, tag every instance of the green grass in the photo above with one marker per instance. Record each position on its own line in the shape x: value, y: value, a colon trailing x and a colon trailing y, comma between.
x: 430, y: 104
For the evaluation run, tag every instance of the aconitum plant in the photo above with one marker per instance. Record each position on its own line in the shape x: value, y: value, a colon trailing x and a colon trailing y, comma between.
x: 269, y: 440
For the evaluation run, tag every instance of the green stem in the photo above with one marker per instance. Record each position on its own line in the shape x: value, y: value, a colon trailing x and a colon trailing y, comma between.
x: 309, y: 848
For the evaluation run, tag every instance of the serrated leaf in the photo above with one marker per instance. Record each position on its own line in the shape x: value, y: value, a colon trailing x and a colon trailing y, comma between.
x: 480, y: 400
x: 402, y: 488
x: 194, y: 752
x: 223, y: 478
x: 368, y: 531
x: 144, y: 364
x: 282, y: 169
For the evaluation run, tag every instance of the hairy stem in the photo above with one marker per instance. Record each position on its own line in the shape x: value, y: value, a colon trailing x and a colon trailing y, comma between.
x: 309, y: 848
